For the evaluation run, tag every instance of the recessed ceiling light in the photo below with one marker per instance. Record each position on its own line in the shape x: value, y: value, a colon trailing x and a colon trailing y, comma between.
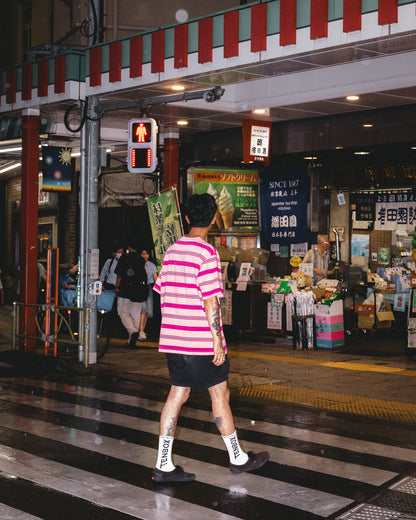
x: 259, y: 111
x: 339, y: 148
x: 182, y: 122
x: 310, y: 158
x: 368, y: 125
x: 361, y: 153
x: 177, y: 87
x: 353, y: 98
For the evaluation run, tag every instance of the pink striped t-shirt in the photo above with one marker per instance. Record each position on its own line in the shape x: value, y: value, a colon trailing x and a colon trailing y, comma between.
x: 191, y: 273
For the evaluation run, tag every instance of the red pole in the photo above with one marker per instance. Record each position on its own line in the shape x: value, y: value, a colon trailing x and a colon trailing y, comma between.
x: 170, y: 162
x: 29, y: 223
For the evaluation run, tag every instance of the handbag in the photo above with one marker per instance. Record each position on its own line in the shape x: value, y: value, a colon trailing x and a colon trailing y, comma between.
x: 105, y: 300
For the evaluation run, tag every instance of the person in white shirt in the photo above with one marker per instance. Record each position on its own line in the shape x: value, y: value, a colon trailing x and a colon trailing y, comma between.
x: 107, y: 275
x: 319, y: 257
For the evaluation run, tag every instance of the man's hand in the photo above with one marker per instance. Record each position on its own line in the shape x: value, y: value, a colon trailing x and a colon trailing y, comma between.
x: 212, y: 310
x: 219, y: 354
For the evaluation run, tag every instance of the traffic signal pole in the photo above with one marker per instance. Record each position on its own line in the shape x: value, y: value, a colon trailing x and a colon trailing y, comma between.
x: 89, y: 173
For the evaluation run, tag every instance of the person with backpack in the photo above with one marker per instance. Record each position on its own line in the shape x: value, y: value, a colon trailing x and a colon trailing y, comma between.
x: 132, y: 291
x: 107, y: 275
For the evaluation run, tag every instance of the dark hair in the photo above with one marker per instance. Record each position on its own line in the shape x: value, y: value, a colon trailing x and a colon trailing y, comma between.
x: 200, y: 209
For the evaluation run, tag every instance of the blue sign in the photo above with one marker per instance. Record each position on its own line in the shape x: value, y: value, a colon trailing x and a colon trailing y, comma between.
x: 56, y: 168
x: 283, y: 196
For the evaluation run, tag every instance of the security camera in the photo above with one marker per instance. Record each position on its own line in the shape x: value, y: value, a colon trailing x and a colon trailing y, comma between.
x: 209, y: 96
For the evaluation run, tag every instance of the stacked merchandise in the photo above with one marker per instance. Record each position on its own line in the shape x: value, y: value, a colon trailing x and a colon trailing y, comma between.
x: 329, y: 319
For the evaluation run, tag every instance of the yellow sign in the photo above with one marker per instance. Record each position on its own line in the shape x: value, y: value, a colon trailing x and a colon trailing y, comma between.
x: 295, y: 261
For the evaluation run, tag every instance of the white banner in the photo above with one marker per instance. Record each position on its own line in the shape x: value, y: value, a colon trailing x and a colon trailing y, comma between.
x: 395, y: 215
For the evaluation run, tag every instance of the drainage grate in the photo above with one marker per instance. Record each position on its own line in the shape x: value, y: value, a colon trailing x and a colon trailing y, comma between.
x: 407, y: 485
x: 370, y: 512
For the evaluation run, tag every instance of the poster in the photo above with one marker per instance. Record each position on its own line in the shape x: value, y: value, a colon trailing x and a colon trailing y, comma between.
x: 165, y: 221
x: 360, y: 245
x: 236, y: 195
x: 56, y: 168
x: 383, y: 255
x: 284, y: 206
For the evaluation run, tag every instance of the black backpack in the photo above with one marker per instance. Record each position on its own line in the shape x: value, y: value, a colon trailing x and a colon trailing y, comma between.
x: 137, y: 287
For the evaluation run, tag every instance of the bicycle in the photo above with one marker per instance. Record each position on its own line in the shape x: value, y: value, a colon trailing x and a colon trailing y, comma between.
x: 105, y: 311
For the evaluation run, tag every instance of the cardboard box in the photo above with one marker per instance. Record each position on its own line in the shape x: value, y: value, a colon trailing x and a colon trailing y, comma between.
x: 366, y: 317
x: 336, y: 309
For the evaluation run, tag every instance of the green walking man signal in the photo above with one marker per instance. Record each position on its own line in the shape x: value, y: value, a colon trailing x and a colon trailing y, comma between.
x: 142, y: 145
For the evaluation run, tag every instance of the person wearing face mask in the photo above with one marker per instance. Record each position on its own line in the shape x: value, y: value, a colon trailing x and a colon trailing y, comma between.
x: 107, y: 275
x: 151, y: 271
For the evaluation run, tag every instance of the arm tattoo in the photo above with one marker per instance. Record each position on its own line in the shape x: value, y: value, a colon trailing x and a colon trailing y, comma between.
x: 214, y: 318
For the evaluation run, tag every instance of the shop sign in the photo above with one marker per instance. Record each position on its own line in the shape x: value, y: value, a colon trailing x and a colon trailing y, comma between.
x: 284, y: 206
x: 392, y: 215
x: 365, y: 207
x: 299, y: 249
x: 56, y: 168
x: 256, y: 142
x: 165, y: 221
x: 236, y: 195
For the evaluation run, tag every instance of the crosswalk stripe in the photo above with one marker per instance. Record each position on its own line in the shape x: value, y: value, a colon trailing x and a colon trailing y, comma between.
x: 99, y: 489
x: 336, y: 441
x: 46, y: 428
x: 331, y: 467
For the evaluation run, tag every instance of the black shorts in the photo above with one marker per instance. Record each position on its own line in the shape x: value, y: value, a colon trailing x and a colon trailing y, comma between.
x: 198, y: 372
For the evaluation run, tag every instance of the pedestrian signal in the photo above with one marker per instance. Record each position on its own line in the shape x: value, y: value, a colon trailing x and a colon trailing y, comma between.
x: 142, y: 146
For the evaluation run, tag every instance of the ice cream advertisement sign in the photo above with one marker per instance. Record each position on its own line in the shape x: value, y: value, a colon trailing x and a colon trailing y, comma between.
x: 236, y: 195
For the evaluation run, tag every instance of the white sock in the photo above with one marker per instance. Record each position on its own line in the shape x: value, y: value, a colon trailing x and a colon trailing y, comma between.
x: 237, y: 455
x: 164, y: 456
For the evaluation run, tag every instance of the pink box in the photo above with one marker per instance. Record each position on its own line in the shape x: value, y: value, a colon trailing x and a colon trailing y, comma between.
x: 329, y: 320
x: 330, y: 335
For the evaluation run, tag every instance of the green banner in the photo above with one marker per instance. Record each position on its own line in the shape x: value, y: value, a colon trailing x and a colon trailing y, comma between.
x: 165, y: 221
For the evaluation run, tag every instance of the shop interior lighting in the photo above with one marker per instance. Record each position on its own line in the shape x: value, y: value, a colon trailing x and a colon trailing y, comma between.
x: 10, y: 167
x: 9, y: 149
x: 182, y: 122
x: 361, y: 153
x: 310, y: 158
x: 413, y: 147
x: 352, y: 97
x: 368, y: 125
x: 178, y: 88
x: 339, y: 148
x: 261, y: 111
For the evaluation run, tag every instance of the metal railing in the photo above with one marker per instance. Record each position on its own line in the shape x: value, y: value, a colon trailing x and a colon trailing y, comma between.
x: 52, y: 327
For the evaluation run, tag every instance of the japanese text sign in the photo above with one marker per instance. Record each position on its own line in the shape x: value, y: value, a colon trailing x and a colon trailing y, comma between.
x: 284, y: 206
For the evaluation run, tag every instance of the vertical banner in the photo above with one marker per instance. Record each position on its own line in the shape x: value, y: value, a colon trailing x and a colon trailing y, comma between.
x: 165, y: 221
x: 56, y: 168
x: 284, y: 200
x: 236, y: 195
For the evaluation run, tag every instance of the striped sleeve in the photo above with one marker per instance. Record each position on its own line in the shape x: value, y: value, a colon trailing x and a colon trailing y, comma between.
x: 209, y: 278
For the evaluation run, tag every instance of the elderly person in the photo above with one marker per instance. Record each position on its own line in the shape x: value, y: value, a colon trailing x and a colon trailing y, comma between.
x: 319, y: 257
